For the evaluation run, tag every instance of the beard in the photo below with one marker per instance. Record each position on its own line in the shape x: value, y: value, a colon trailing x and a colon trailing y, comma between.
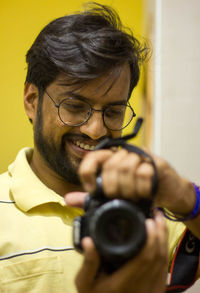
x: 56, y: 155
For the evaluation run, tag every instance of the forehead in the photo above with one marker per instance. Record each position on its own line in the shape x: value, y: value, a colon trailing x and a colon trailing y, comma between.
x: 110, y: 87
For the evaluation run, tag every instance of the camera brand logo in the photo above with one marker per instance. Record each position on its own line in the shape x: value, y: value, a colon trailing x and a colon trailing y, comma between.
x: 190, y: 244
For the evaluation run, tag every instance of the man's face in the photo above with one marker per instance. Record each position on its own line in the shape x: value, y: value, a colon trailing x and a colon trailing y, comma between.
x: 63, y: 147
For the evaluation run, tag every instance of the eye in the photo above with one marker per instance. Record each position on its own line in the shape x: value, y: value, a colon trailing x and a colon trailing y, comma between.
x: 75, y: 106
x: 115, y: 111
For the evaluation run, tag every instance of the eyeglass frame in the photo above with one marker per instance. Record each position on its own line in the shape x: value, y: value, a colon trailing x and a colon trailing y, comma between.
x: 91, y: 112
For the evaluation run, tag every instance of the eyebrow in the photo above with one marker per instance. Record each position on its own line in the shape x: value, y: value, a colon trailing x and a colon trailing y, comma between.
x: 83, y: 98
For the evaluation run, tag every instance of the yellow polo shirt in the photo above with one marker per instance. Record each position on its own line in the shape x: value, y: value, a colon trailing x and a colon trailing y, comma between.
x: 36, y: 250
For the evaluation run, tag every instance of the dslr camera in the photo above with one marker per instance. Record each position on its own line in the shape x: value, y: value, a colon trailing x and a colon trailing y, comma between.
x: 117, y: 226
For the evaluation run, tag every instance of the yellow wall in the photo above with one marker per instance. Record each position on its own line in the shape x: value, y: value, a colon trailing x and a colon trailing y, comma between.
x: 20, y: 22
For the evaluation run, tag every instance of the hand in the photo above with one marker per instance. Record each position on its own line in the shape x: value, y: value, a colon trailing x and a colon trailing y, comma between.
x: 118, y: 174
x: 146, y: 273
x: 129, y: 175
x: 123, y: 174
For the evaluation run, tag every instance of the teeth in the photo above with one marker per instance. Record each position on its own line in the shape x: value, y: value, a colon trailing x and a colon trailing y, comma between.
x: 84, y: 146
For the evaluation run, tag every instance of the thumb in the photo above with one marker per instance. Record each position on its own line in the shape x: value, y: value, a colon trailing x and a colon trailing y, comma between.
x: 75, y: 199
x: 87, y: 274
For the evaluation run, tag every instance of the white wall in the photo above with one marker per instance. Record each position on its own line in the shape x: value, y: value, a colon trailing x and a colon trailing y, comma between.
x: 177, y: 85
x: 175, y: 34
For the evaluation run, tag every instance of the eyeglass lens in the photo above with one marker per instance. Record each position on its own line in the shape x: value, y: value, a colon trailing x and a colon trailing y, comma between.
x: 75, y: 112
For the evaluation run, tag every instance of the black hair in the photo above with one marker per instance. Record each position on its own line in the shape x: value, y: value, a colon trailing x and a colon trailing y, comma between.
x: 84, y: 46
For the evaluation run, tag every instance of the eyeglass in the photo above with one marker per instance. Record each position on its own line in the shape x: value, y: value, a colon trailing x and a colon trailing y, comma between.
x: 75, y: 112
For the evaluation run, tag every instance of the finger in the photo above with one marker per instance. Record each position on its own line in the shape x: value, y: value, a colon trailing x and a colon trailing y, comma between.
x: 157, y: 239
x: 129, y: 273
x: 110, y: 174
x: 89, y: 167
x: 86, y: 275
x: 127, y: 175
x: 143, y: 179
x: 157, y: 278
x: 75, y: 199
x: 162, y: 232
x: 154, y: 258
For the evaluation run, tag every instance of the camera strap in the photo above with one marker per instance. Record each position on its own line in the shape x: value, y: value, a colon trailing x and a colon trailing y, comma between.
x: 185, y: 263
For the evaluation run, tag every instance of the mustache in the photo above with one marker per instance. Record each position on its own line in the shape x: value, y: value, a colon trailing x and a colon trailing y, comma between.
x: 82, y: 137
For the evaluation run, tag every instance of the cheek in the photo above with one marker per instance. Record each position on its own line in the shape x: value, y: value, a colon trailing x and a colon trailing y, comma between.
x: 54, y: 129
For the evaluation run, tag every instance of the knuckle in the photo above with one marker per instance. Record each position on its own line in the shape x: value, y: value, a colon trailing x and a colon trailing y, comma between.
x: 123, y: 152
x: 110, y: 190
x: 125, y: 168
x: 145, y: 170
x: 84, y: 172
x: 108, y: 165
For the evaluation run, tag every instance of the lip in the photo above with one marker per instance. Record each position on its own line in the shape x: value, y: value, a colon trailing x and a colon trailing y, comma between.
x: 76, y: 150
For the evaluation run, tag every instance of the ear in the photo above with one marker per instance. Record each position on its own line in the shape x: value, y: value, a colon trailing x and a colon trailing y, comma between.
x: 31, y: 95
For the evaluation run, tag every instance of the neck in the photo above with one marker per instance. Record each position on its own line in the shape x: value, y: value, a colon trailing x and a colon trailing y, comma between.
x: 51, y: 179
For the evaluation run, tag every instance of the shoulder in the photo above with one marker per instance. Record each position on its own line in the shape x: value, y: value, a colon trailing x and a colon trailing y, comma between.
x: 6, y: 178
x: 4, y: 186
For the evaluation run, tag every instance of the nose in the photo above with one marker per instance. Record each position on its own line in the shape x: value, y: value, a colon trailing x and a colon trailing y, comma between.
x: 94, y: 127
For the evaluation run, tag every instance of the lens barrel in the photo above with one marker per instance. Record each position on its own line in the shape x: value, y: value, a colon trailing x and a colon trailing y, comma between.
x: 118, y: 230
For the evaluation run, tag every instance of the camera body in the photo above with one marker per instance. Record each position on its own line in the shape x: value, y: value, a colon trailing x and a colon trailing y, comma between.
x: 117, y: 227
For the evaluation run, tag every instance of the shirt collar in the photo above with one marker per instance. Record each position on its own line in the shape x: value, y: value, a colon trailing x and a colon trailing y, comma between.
x: 26, y: 188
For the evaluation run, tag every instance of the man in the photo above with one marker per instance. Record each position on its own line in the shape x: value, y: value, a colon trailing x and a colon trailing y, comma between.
x: 82, y: 69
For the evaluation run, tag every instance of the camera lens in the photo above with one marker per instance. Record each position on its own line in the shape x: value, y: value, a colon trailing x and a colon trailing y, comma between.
x: 118, y: 230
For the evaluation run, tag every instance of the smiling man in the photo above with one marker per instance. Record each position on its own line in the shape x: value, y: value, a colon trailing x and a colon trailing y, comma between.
x: 70, y: 121
x: 82, y: 69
